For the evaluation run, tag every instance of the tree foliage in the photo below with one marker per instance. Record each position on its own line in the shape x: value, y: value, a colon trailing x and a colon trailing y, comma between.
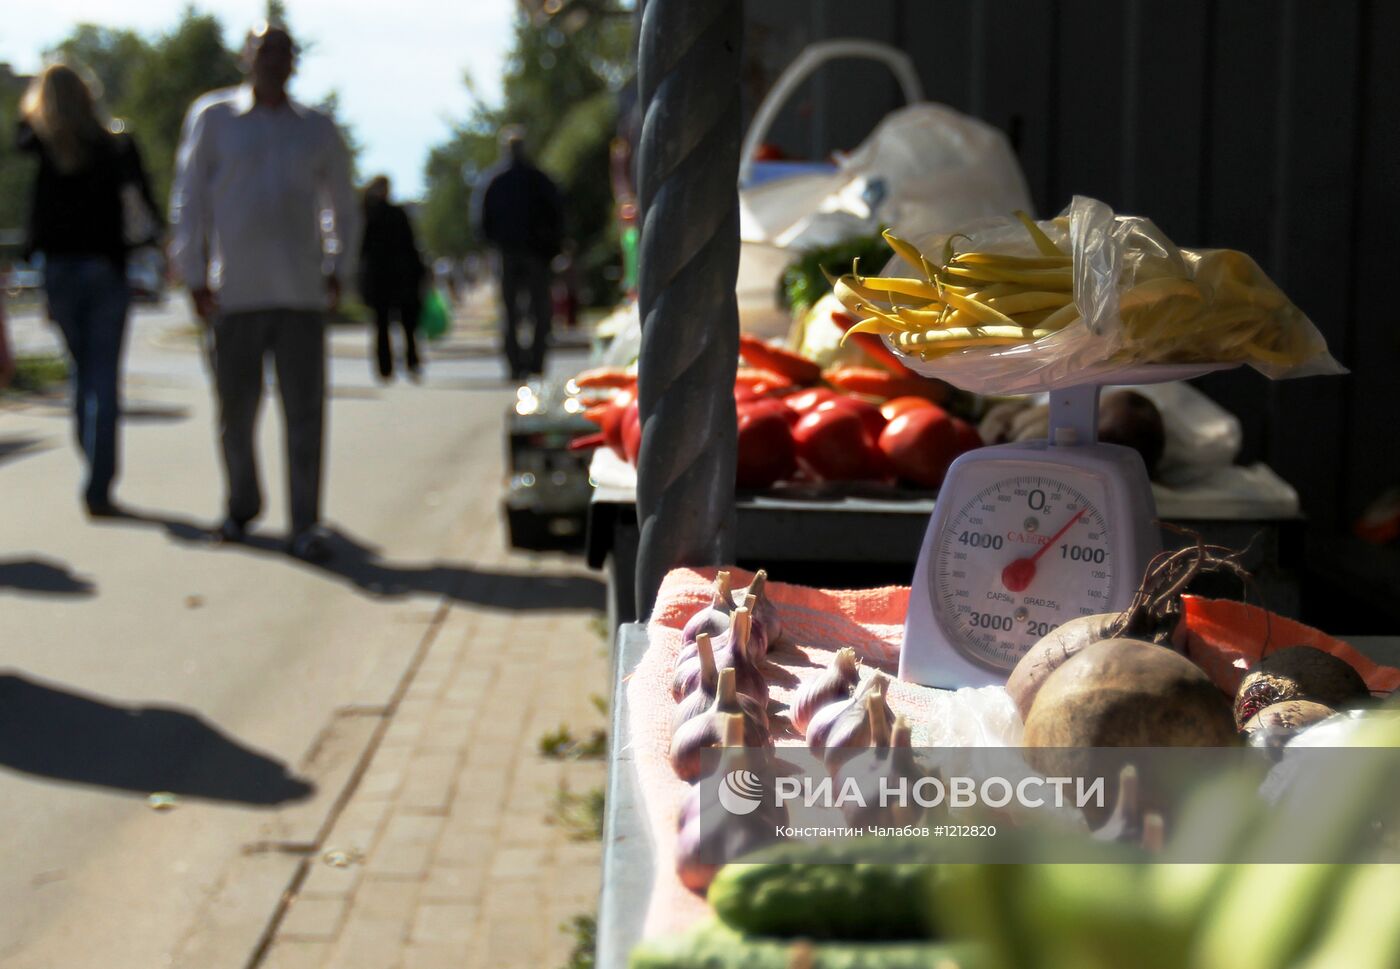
x: 561, y: 85
x: 147, y: 84
x: 181, y: 65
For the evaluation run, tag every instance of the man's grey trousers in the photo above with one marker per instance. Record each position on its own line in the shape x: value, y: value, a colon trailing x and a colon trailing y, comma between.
x: 297, y: 341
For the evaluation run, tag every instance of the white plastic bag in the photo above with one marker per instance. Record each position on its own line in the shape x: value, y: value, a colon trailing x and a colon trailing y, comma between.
x: 924, y: 167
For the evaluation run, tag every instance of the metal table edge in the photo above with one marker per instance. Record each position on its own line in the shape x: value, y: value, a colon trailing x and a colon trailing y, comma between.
x: 628, y: 867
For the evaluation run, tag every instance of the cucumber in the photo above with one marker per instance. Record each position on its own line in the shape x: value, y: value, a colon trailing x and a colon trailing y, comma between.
x: 819, y: 892
x: 713, y: 945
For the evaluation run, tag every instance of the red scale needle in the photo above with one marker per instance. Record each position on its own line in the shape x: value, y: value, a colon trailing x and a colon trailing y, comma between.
x: 1018, y: 576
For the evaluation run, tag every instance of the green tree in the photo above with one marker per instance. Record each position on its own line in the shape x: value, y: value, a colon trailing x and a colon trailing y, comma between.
x: 16, y: 170
x: 451, y: 172
x: 111, y: 54
x: 561, y: 84
x: 184, y: 63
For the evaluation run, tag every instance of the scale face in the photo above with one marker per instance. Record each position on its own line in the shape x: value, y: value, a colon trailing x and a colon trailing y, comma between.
x: 1023, y: 538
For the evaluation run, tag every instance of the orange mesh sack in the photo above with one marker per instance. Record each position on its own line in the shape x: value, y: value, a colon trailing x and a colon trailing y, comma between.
x: 1226, y: 638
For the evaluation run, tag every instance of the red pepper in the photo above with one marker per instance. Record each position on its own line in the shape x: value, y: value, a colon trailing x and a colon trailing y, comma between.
x: 795, y: 367
x: 882, y: 383
x: 872, y: 345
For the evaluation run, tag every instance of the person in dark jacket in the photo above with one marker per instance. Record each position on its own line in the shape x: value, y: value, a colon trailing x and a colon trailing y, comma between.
x: 392, y: 274
x: 89, y: 188
x: 519, y: 213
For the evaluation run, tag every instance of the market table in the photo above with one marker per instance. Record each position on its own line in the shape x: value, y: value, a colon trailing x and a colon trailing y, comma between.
x: 627, y: 848
x: 868, y: 539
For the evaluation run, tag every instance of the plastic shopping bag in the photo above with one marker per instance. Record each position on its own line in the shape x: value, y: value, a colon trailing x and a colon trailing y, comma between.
x: 433, y: 320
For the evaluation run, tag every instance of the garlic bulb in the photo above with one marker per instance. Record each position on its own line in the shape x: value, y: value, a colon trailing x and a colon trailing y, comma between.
x: 820, y: 723
x: 767, y: 615
x: 850, y: 727
x: 709, y: 835
x: 696, y: 673
x: 724, y: 698
x: 714, y: 618
x: 707, y: 729
x: 735, y: 651
x: 758, y: 632
x: 837, y: 682
x: 882, y: 766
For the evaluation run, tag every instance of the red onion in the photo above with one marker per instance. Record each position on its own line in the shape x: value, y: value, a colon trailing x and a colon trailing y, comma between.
x: 836, y: 682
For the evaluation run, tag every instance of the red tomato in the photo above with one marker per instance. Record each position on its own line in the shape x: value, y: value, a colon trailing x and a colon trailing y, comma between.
x: 968, y: 437
x: 767, y: 405
x: 895, y: 406
x: 870, y: 417
x: 803, y: 401
x: 920, y: 445
x: 834, y: 445
x: 766, y: 452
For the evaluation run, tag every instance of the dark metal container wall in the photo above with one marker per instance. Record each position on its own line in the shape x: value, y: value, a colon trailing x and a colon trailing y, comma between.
x: 1272, y: 126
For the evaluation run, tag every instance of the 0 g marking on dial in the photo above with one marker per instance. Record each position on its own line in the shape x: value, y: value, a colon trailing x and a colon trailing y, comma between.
x: 1011, y: 519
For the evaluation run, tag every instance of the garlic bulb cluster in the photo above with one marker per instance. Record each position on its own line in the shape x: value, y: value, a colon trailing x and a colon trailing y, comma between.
x: 836, y: 683
x: 733, y: 649
x: 706, y: 729
x: 708, y: 835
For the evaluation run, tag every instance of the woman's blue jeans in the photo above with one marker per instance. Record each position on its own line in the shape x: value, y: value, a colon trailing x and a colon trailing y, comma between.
x: 88, y: 299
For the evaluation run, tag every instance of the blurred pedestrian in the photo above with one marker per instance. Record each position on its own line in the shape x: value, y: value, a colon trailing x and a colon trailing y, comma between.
x: 88, y: 178
x: 518, y: 211
x: 392, y: 275
x: 7, y: 357
x: 256, y: 173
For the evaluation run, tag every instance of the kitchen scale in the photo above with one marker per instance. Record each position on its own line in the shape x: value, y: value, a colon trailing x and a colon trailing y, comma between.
x: 1027, y: 536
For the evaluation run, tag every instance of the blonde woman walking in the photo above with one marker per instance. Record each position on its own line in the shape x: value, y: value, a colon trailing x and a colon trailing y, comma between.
x: 76, y: 222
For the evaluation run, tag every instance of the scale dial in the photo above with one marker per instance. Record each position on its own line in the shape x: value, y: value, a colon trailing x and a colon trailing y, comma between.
x: 1026, y: 553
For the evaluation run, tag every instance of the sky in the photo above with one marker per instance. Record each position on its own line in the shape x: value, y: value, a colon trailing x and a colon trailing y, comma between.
x: 399, y: 76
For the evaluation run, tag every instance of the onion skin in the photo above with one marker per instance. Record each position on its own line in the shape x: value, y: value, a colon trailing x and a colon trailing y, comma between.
x: 1054, y: 648
x: 837, y: 682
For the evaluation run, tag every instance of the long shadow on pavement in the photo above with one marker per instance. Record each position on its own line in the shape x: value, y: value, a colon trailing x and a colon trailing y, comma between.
x: 49, y: 732
x: 43, y: 576
x: 360, y: 565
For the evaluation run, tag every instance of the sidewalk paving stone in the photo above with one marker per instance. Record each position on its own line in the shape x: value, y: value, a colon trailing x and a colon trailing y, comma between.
x: 463, y: 859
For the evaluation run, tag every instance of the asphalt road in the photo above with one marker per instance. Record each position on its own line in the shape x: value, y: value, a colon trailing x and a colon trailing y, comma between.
x: 134, y: 658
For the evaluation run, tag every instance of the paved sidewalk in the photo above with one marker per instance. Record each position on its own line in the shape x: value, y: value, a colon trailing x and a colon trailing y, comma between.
x: 450, y: 851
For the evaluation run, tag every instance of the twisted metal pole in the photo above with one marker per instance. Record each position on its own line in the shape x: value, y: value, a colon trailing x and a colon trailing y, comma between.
x: 688, y: 168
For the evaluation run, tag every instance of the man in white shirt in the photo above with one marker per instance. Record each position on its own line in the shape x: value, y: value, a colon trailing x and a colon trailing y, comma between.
x: 256, y: 174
